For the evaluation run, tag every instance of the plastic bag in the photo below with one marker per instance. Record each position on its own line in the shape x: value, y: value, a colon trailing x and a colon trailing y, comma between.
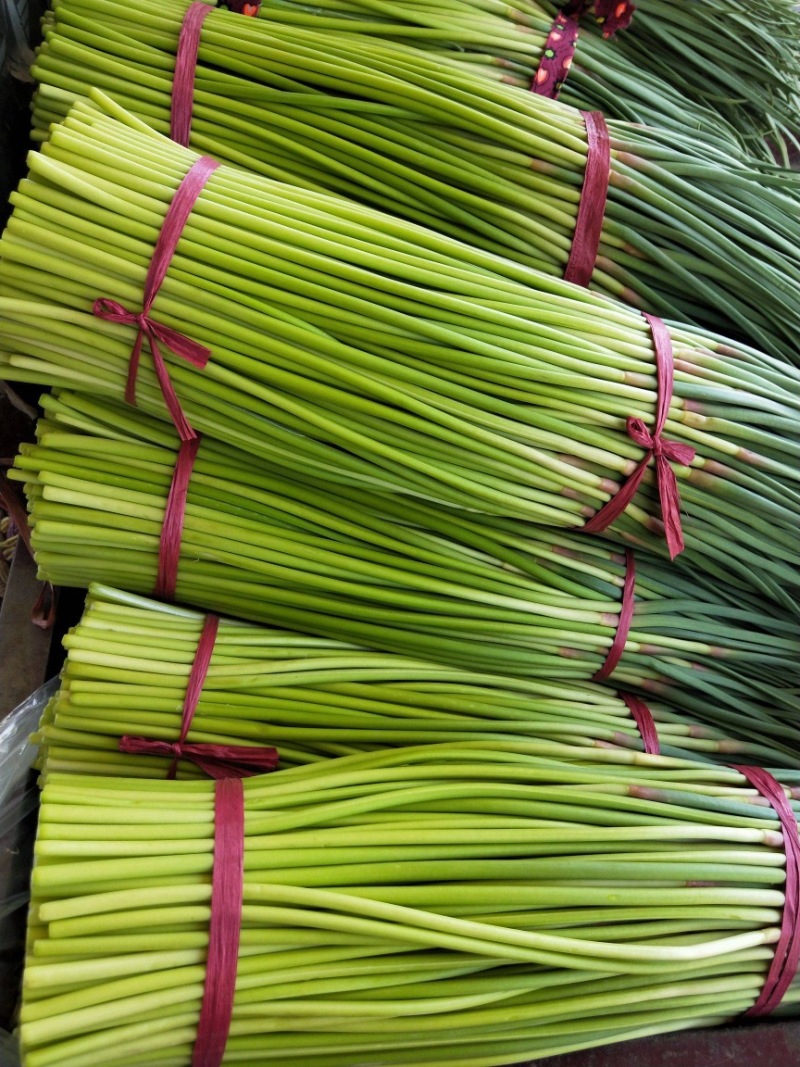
x: 19, y: 801
x: 9, y: 1050
x: 16, y: 752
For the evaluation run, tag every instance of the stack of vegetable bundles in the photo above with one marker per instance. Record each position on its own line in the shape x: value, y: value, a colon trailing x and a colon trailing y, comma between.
x: 692, y: 232
x: 399, y: 575
x: 375, y: 354
x: 357, y: 402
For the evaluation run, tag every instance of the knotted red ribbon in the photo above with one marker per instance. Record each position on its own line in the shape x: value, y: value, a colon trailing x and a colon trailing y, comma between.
x: 217, y: 761
x: 198, y: 355
x: 787, y: 951
x: 194, y: 353
x: 158, y: 334
x: 623, y: 622
x: 643, y: 717
x: 227, y: 892
x: 657, y: 449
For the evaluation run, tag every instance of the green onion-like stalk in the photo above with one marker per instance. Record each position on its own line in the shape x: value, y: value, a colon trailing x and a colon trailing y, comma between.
x: 465, y: 905
x: 397, y: 575
x: 691, y: 232
x: 372, y: 353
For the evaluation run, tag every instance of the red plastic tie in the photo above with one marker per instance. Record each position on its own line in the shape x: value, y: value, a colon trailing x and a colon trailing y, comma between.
x: 197, y: 676
x: 183, y: 79
x: 787, y: 952
x: 180, y: 119
x: 217, y: 761
x: 623, y: 622
x: 559, y: 51
x: 612, y: 15
x: 592, y: 206
x: 155, y: 332
x: 643, y: 717
x: 169, y: 546
x: 43, y: 612
x: 225, y: 925
x: 663, y: 452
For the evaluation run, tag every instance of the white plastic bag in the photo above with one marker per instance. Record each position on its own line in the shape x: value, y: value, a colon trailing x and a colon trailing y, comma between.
x: 9, y: 1050
x: 19, y: 800
x: 16, y: 752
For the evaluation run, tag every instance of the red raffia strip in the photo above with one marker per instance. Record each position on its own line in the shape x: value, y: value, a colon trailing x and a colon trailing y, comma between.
x: 169, y: 547
x: 180, y: 120
x: 559, y: 51
x: 43, y: 612
x: 218, y: 761
x: 155, y: 332
x: 227, y: 891
x: 174, y: 221
x: 787, y: 951
x: 183, y: 79
x: 663, y: 452
x: 592, y: 206
x: 623, y: 622
x: 643, y: 717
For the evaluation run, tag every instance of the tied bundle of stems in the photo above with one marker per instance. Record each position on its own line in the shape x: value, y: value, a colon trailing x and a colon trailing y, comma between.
x: 397, y: 575
x: 370, y: 352
x: 681, y: 66
x: 690, y: 233
x: 504, y: 45
x: 634, y: 82
x: 128, y: 664
x: 465, y: 905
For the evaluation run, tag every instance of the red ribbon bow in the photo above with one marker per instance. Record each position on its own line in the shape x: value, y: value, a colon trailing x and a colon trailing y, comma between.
x: 217, y: 761
x: 657, y: 448
x: 198, y: 355
x: 662, y: 452
x: 192, y: 351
